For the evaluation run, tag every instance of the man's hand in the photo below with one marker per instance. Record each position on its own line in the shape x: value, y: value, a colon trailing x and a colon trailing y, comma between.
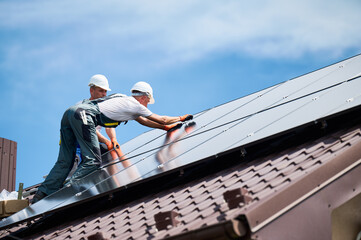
x: 186, y: 117
x: 117, y: 148
x: 109, y: 145
x: 115, y: 143
x: 172, y: 127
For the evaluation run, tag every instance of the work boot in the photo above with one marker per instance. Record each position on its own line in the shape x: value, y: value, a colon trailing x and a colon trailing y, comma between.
x: 37, y: 197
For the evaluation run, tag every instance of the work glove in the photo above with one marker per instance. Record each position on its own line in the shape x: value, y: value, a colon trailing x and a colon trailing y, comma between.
x: 109, y: 145
x: 186, y: 117
x: 114, y: 145
x: 110, y: 149
x: 117, y: 148
x: 172, y: 127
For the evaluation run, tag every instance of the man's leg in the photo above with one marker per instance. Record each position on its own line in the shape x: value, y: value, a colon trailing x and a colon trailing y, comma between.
x: 87, y: 138
x: 55, y: 179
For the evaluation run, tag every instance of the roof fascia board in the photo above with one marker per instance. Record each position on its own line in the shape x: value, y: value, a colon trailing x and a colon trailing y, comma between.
x: 259, y: 215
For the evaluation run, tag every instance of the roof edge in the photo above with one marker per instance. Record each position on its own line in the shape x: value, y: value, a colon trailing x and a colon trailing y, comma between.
x: 260, y: 215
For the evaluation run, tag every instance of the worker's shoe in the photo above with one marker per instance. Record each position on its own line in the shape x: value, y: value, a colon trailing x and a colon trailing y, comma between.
x: 37, y: 197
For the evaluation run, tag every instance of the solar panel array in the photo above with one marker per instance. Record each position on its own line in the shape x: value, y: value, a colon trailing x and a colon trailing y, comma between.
x: 226, y: 127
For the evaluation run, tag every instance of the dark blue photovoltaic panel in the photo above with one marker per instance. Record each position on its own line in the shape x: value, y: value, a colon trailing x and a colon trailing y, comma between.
x: 229, y: 126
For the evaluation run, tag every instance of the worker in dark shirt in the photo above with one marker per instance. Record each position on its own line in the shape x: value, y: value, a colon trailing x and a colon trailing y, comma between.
x: 99, y: 87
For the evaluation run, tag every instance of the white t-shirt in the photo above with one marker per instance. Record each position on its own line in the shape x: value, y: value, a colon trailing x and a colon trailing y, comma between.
x: 123, y: 108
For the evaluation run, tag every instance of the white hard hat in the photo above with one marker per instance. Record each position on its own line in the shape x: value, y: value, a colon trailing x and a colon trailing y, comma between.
x: 99, y: 80
x: 145, y: 88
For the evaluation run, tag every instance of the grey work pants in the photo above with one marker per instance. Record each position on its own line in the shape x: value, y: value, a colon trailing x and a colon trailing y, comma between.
x: 78, y: 125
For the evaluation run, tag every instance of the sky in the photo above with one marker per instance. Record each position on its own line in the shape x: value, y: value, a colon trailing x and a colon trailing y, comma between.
x: 196, y: 55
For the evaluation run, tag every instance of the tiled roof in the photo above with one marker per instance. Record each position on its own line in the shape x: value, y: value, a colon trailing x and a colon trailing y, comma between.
x: 202, y: 202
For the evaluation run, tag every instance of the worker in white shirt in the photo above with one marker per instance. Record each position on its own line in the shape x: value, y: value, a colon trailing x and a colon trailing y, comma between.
x: 79, y: 122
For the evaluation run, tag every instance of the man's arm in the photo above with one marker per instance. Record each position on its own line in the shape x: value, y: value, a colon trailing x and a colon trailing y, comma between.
x: 110, y: 132
x: 101, y: 138
x: 149, y: 123
x: 113, y: 144
x: 156, y: 121
x: 163, y: 120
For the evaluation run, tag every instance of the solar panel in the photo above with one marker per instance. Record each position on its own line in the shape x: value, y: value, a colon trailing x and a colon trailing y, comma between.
x: 229, y: 126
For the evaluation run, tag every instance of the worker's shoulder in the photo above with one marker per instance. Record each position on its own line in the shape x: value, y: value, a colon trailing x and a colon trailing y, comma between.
x: 113, y: 96
x: 118, y: 95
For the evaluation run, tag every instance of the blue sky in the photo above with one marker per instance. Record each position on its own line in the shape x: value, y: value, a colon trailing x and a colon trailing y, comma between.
x: 195, y: 54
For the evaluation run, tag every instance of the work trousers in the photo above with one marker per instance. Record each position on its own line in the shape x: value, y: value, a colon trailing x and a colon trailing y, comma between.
x: 77, y: 125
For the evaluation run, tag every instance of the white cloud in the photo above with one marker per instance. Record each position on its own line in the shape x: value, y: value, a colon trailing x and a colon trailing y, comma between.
x: 167, y: 32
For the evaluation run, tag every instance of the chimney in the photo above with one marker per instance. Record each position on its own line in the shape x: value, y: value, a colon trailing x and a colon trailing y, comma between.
x: 8, y: 150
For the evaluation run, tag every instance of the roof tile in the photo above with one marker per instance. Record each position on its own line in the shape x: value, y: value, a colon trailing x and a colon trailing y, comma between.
x: 249, y: 175
x: 253, y: 181
x: 271, y: 175
x: 262, y: 194
x: 200, y: 203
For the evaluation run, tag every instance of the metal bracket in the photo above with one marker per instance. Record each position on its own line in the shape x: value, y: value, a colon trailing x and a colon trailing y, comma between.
x: 243, y: 152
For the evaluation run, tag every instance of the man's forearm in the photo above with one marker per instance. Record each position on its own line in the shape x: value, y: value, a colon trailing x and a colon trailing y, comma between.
x: 149, y: 123
x: 163, y: 120
x: 101, y: 138
x: 111, y: 133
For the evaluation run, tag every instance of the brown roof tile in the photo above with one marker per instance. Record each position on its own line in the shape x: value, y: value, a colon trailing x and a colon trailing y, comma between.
x: 201, y: 203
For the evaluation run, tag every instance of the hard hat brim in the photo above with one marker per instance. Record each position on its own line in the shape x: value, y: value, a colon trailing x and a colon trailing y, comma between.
x: 91, y: 84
